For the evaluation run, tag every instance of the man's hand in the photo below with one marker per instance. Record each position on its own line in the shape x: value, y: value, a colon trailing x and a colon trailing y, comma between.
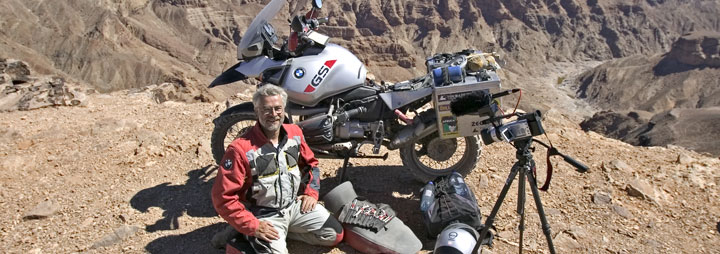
x: 266, y: 231
x: 308, y: 203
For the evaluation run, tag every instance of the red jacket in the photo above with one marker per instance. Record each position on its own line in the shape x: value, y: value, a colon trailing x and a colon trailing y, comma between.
x: 256, y: 177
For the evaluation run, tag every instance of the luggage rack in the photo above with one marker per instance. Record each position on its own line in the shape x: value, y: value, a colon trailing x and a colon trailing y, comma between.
x: 454, y: 79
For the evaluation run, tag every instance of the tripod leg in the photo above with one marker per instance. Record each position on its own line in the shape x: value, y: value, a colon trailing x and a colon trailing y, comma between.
x: 541, y: 212
x: 522, y: 232
x: 521, y: 207
x: 491, y: 218
x: 346, y: 161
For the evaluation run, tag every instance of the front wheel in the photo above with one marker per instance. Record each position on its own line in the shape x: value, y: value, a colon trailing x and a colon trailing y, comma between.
x: 228, y: 128
x: 432, y: 156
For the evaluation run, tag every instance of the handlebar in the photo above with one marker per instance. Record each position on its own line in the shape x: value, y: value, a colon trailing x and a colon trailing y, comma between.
x: 300, y: 23
x: 301, y: 26
x: 324, y: 20
x: 304, y: 38
x: 315, y: 23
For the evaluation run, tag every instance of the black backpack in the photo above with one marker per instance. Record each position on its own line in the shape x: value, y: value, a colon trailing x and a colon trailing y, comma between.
x: 450, y: 206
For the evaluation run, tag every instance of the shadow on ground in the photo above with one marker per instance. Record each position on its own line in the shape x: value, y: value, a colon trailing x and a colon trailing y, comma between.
x: 192, y: 198
x: 197, y: 241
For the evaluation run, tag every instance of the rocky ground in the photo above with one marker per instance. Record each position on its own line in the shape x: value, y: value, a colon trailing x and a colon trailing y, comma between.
x: 124, y: 173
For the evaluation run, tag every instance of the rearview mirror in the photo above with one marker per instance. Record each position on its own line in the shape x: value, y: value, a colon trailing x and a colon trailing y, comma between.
x: 317, y: 4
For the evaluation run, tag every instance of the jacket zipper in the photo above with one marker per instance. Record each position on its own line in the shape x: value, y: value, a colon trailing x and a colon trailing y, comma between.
x: 280, y: 171
x: 279, y: 179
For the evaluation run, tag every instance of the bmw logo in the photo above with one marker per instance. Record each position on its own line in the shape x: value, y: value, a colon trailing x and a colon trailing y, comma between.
x: 228, y: 164
x: 299, y: 73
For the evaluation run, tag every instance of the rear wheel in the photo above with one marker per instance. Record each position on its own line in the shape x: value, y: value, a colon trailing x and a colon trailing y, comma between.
x: 432, y: 156
x: 228, y: 128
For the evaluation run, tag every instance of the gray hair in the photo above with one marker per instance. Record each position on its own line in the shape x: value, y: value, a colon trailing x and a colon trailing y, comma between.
x: 269, y: 90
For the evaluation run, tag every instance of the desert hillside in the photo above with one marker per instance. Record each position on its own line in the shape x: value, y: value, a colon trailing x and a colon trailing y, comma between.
x: 670, y: 98
x: 686, y: 76
x: 113, y: 45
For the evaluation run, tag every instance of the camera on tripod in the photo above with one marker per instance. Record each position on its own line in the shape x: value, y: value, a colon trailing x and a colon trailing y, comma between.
x: 520, y: 132
x: 525, y: 127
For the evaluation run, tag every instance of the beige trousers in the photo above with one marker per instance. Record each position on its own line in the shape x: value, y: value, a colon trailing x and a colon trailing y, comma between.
x: 314, y: 227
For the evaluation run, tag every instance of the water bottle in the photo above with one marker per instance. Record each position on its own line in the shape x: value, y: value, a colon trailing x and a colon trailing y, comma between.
x: 457, y: 182
x: 428, y: 195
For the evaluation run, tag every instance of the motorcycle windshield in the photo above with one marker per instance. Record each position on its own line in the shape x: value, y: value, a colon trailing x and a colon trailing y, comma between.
x: 253, y: 33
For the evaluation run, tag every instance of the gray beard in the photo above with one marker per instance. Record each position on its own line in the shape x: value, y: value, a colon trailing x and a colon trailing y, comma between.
x: 272, y: 127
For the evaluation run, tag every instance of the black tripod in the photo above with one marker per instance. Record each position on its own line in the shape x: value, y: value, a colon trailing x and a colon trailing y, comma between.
x: 524, y: 166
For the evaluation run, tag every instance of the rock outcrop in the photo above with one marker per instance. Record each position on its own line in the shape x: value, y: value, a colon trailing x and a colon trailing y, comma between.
x: 698, y: 49
x: 19, y: 90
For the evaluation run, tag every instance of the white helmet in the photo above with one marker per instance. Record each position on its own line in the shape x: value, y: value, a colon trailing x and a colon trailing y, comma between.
x: 456, y: 238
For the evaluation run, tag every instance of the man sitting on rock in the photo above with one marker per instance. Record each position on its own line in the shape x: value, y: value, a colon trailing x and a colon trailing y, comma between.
x: 268, y: 184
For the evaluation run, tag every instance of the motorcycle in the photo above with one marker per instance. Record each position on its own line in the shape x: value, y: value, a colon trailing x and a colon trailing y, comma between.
x: 338, y: 109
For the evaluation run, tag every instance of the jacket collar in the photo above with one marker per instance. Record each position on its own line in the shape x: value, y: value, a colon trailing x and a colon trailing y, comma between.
x: 262, y: 139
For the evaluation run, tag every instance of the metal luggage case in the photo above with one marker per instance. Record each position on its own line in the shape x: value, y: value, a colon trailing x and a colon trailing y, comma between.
x: 451, y: 126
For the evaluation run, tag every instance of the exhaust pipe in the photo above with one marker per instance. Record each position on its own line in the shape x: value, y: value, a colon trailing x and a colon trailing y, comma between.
x: 412, y: 133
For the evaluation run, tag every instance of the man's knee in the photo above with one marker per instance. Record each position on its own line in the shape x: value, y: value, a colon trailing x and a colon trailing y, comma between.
x: 338, y: 238
x: 334, y: 230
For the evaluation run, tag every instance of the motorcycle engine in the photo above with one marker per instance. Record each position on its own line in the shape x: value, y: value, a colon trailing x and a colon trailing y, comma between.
x: 351, y: 129
x: 354, y: 129
x: 318, y: 129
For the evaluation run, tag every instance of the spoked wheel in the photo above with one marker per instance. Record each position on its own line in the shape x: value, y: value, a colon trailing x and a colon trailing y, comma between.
x: 432, y: 156
x: 227, y: 129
